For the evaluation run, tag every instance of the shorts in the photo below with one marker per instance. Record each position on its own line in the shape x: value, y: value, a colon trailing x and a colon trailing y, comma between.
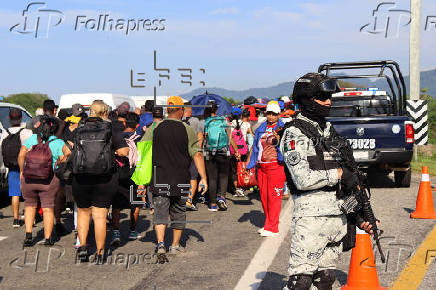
x: 14, y: 183
x: 96, y: 191
x: 173, y: 207
x: 193, y: 171
x: 46, y: 192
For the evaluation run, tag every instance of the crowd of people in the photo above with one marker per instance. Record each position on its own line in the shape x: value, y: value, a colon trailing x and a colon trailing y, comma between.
x: 82, y: 162
x: 105, y: 160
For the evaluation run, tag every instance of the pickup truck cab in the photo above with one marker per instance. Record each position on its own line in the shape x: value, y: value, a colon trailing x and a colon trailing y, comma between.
x: 374, y: 121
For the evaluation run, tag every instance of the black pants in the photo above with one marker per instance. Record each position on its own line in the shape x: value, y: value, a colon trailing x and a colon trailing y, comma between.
x: 217, y: 169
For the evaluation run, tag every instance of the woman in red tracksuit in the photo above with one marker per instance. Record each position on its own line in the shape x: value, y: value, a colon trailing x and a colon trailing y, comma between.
x: 270, y: 174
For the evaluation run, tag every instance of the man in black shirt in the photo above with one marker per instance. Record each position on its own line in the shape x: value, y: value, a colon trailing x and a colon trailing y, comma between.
x: 174, y: 146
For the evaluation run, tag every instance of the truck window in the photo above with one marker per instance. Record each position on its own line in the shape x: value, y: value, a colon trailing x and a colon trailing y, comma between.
x: 4, y: 117
x: 368, y: 106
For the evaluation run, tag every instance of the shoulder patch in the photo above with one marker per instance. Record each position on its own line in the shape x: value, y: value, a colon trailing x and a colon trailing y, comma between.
x: 293, y: 158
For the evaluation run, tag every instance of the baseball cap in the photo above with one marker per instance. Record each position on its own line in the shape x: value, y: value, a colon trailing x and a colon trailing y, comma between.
x: 77, y: 109
x: 236, y: 111
x: 274, y: 107
x: 175, y: 100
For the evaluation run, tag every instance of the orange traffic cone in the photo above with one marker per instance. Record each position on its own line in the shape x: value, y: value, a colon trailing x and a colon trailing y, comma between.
x: 362, y: 274
x: 424, y: 202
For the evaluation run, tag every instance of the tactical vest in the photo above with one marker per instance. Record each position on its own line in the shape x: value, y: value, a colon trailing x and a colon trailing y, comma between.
x: 323, y: 160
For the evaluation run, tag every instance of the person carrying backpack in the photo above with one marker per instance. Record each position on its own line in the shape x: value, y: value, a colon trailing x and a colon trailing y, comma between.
x: 238, y: 130
x: 95, y: 177
x: 37, y: 160
x: 216, y: 146
x: 12, y: 140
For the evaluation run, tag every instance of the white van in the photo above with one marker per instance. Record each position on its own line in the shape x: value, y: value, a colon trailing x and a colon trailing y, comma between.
x: 113, y: 100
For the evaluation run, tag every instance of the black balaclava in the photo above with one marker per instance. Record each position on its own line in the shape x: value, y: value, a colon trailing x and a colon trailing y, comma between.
x: 314, y: 111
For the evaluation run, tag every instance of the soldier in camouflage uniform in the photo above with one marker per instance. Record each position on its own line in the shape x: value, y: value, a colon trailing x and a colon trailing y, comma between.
x: 313, y: 175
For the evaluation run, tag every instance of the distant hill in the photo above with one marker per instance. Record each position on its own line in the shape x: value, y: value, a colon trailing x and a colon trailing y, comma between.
x: 428, y: 80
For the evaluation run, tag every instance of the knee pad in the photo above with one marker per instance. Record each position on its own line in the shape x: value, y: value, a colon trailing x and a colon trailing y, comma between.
x: 323, y: 280
x: 299, y: 282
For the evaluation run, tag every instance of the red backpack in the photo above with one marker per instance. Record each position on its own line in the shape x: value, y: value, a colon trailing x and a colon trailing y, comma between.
x: 38, y: 161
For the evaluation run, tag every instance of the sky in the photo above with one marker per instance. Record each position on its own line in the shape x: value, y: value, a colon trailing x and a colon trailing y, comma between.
x: 241, y: 44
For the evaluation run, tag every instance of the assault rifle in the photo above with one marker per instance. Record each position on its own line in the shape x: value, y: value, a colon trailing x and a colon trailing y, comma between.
x: 358, y: 200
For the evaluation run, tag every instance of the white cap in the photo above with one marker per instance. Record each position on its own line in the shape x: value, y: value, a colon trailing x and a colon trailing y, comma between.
x: 286, y: 99
x: 273, y: 107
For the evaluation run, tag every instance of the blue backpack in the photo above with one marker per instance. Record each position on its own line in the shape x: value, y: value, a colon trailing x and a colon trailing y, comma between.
x: 216, y: 134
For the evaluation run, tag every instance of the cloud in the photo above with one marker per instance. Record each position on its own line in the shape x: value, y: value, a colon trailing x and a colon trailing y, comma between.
x: 225, y: 11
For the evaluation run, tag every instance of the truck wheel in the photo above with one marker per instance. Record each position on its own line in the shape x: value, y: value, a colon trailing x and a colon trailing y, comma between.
x: 402, y: 178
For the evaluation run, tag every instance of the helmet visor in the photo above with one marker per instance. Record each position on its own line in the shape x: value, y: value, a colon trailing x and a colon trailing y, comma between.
x: 330, y: 86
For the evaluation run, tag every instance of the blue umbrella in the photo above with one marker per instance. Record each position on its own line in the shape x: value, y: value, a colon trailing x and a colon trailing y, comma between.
x: 224, y: 107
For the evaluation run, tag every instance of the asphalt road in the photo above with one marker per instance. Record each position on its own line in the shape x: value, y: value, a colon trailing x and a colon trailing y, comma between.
x: 220, y: 246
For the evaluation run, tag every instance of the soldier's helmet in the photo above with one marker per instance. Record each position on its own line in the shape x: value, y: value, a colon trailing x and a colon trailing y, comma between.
x: 313, y: 85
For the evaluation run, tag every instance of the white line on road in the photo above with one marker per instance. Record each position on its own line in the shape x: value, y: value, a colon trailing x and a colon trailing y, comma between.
x: 3, y: 238
x: 258, y: 267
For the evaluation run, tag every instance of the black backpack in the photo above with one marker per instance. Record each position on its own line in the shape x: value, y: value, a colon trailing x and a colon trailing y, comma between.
x: 92, y: 154
x: 11, y: 148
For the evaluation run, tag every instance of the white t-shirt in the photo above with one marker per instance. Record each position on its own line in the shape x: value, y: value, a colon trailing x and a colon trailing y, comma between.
x: 25, y: 133
x: 244, y: 127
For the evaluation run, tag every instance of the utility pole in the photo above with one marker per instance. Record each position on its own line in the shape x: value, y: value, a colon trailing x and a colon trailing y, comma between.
x: 415, y: 49
x: 415, y: 55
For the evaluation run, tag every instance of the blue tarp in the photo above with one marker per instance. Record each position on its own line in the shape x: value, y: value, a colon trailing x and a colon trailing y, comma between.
x: 224, y: 107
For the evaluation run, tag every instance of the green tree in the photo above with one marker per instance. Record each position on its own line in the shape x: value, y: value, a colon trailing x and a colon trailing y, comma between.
x: 28, y: 101
x: 231, y: 100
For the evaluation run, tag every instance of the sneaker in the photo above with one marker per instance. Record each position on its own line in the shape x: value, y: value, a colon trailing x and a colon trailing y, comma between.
x: 176, y: 250
x: 16, y: 223
x: 61, y: 230
x: 161, y: 253
x: 28, y: 242
x: 48, y: 242
x: 239, y: 192
x: 213, y: 208
x: 133, y: 235
x: 116, y: 238
x: 82, y: 254
x: 222, y: 204
x: 260, y: 231
x: 191, y: 206
x: 268, y: 234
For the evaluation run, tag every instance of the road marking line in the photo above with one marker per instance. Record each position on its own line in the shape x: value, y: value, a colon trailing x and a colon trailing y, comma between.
x: 258, y: 267
x: 413, y: 273
x: 3, y: 238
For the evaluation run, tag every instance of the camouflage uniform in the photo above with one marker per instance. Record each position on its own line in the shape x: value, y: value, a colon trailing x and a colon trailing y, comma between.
x: 317, y: 223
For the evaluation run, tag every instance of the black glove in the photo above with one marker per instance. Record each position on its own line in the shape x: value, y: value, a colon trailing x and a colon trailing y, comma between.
x: 349, y: 179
